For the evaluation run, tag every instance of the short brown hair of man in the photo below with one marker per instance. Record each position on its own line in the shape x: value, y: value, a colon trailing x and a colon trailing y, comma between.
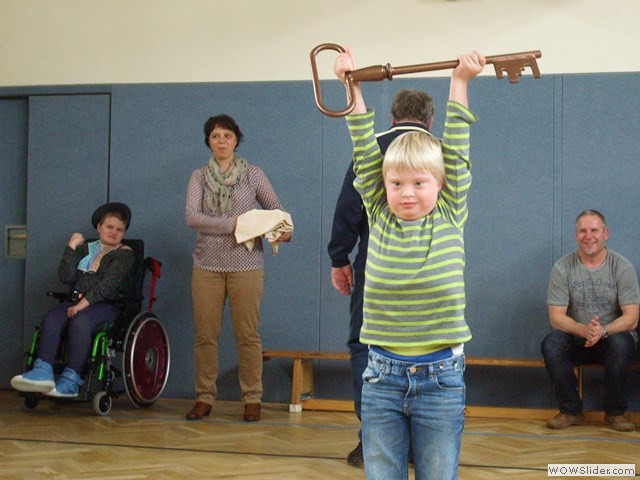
x: 412, y: 105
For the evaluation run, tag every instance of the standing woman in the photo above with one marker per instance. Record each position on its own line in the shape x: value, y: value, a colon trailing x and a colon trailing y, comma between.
x: 218, y: 193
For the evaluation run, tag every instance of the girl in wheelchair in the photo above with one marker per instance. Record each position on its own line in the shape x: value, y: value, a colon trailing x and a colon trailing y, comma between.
x: 93, y: 271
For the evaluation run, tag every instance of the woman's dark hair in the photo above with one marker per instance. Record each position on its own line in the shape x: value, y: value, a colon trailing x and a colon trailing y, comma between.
x: 222, y: 121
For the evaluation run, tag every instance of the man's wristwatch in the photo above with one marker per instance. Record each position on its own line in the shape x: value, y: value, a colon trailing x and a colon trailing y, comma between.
x: 605, y: 332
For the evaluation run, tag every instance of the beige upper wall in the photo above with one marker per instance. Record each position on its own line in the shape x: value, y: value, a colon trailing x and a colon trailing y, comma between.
x: 45, y: 42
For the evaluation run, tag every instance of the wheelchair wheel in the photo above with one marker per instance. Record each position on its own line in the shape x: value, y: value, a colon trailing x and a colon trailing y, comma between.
x: 30, y: 402
x: 146, y: 358
x: 102, y: 403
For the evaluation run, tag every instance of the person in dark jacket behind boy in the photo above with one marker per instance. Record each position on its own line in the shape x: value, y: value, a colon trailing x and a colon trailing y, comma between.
x: 411, y: 110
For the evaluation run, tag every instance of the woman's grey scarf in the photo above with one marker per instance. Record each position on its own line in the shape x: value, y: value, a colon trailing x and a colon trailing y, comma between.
x: 221, y: 183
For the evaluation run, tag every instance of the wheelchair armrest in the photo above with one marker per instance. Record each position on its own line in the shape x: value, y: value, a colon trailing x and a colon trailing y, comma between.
x: 58, y: 295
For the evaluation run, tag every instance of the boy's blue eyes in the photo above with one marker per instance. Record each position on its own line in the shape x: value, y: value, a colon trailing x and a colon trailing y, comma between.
x: 417, y: 184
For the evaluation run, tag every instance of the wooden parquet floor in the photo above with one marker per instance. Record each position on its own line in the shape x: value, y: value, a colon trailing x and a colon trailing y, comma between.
x: 68, y: 441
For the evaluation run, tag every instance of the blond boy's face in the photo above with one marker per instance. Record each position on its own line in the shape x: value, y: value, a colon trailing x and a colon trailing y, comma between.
x: 411, y: 195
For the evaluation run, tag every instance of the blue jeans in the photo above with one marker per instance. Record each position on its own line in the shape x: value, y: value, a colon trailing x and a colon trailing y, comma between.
x: 421, y: 404
x: 562, y: 351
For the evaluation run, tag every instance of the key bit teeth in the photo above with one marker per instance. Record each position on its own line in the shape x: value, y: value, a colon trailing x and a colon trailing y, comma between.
x: 511, y: 73
x: 515, y: 67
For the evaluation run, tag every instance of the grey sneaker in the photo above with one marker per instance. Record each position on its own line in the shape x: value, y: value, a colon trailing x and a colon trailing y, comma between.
x: 563, y: 420
x: 620, y: 423
x: 356, y: 457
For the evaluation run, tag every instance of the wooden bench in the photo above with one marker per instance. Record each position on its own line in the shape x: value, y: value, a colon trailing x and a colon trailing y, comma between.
x: 302, y: 379
x: 302, y: 382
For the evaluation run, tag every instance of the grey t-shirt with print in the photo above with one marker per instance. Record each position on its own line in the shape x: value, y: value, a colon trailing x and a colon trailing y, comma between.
x: 590, y: 292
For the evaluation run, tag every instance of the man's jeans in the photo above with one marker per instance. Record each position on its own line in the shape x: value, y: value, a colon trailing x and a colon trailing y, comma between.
x: 421, y: 402
x: 562, y: 351
x: 359, y: 351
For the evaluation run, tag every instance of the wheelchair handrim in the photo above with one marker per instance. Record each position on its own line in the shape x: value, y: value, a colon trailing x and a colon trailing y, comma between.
x: 146, y: 359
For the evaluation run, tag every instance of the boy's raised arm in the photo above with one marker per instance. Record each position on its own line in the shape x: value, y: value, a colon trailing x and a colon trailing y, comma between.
x: 346, y: 62
x: 470, y: 65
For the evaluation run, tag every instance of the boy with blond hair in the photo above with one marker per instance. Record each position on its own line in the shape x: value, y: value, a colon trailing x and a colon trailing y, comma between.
x: 414, y: 298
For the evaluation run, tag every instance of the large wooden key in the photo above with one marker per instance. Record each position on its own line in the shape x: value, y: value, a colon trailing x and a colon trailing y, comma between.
x: 513, y: 64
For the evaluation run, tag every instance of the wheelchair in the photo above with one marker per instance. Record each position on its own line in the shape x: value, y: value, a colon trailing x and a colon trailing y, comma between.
x: 136, y: 338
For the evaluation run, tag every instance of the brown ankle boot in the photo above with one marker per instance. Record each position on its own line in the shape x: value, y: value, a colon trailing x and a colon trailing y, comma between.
x: 621, y: 423
x: 564, y: 420
x: 251, y: 412
x: 199, y: 411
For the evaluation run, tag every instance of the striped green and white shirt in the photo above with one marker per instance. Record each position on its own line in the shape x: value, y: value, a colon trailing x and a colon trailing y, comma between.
x: 414, y: 296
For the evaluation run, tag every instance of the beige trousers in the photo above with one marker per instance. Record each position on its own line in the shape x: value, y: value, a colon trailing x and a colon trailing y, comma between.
x: 244, y: 291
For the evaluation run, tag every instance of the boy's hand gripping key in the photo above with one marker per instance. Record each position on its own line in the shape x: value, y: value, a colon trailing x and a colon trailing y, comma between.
x: 513, y: 64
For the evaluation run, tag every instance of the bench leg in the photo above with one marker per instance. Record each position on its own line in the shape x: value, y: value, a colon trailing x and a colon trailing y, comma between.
x: 301, y: 383
x: 580, y: 377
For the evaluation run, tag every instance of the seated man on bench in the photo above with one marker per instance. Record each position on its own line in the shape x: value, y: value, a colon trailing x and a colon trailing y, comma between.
x: 593, y: 300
